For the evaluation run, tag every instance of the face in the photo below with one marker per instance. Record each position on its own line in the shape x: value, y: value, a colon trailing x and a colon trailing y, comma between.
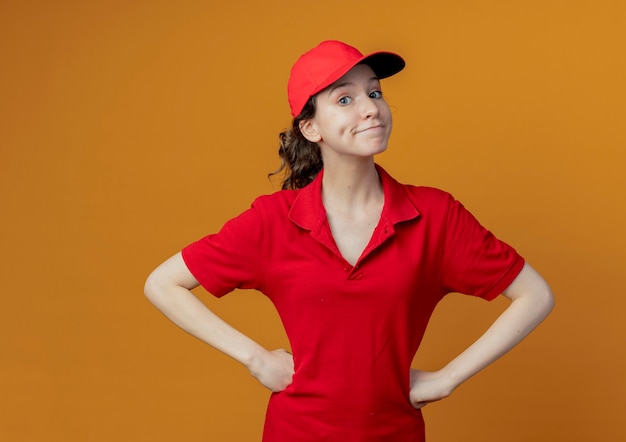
x: 351, y: 118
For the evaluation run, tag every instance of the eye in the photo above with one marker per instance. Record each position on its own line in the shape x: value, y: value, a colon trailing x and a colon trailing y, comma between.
x: 344, y: 100
x: 376, y: 94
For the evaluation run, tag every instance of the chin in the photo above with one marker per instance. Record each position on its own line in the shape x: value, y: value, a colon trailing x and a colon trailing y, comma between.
x: 379, y: 149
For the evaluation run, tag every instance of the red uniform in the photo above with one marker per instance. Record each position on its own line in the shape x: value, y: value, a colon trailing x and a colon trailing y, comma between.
x: 354, y: 330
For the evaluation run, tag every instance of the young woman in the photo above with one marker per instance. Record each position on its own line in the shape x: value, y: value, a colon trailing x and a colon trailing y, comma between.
x: 355, y: 263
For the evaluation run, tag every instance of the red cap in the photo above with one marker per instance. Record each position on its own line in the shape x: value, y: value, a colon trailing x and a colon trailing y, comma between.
x: 328, y: 62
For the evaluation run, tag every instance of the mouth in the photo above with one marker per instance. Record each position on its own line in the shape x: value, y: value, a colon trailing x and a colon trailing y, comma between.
x: 374, y: 128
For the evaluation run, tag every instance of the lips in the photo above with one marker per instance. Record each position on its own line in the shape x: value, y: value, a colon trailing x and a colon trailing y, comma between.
x: 371, y: 128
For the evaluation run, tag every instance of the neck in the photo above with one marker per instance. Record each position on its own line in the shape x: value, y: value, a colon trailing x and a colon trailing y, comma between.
x: 351, y: 184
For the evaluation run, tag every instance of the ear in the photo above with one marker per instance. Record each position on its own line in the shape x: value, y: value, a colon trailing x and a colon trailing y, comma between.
x: 309, y: 130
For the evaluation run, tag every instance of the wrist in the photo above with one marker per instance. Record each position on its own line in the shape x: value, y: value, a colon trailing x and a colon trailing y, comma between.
x: 255, y: 358
x: 451, y: 378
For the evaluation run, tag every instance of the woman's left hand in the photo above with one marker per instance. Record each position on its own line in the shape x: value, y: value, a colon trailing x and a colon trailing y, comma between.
x: 427, y: 387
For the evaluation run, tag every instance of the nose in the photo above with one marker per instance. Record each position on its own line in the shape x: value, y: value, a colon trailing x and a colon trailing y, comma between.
x: 369, y: 108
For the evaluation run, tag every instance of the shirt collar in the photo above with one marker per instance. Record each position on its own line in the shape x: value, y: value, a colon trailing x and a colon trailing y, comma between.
x: 308, y: 211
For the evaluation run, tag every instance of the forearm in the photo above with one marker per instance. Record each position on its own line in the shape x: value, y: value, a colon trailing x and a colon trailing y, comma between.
x: 515, y: 323
x: 532, y: 301
x: 184, y: 309
x: 169, y: 289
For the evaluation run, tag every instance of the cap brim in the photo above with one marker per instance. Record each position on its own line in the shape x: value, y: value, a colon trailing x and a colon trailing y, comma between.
x: 384, y: 64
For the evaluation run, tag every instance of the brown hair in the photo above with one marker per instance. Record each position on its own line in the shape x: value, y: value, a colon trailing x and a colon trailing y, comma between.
x: 301, y: 159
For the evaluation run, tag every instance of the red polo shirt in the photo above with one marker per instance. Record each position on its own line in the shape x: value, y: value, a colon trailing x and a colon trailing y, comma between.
x: 354, y: 330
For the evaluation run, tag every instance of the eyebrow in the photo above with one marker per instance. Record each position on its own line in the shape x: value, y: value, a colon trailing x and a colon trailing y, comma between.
x: 348, y: 83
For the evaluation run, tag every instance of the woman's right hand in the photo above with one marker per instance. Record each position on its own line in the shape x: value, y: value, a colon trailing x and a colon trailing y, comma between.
x: 273, y: 369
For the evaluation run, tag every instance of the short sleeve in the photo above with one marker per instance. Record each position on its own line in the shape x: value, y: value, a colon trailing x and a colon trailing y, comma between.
x: 475, y: 262
x: 231, y: 258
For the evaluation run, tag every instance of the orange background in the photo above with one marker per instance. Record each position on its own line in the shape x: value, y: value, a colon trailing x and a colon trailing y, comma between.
x: 131, y: 128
